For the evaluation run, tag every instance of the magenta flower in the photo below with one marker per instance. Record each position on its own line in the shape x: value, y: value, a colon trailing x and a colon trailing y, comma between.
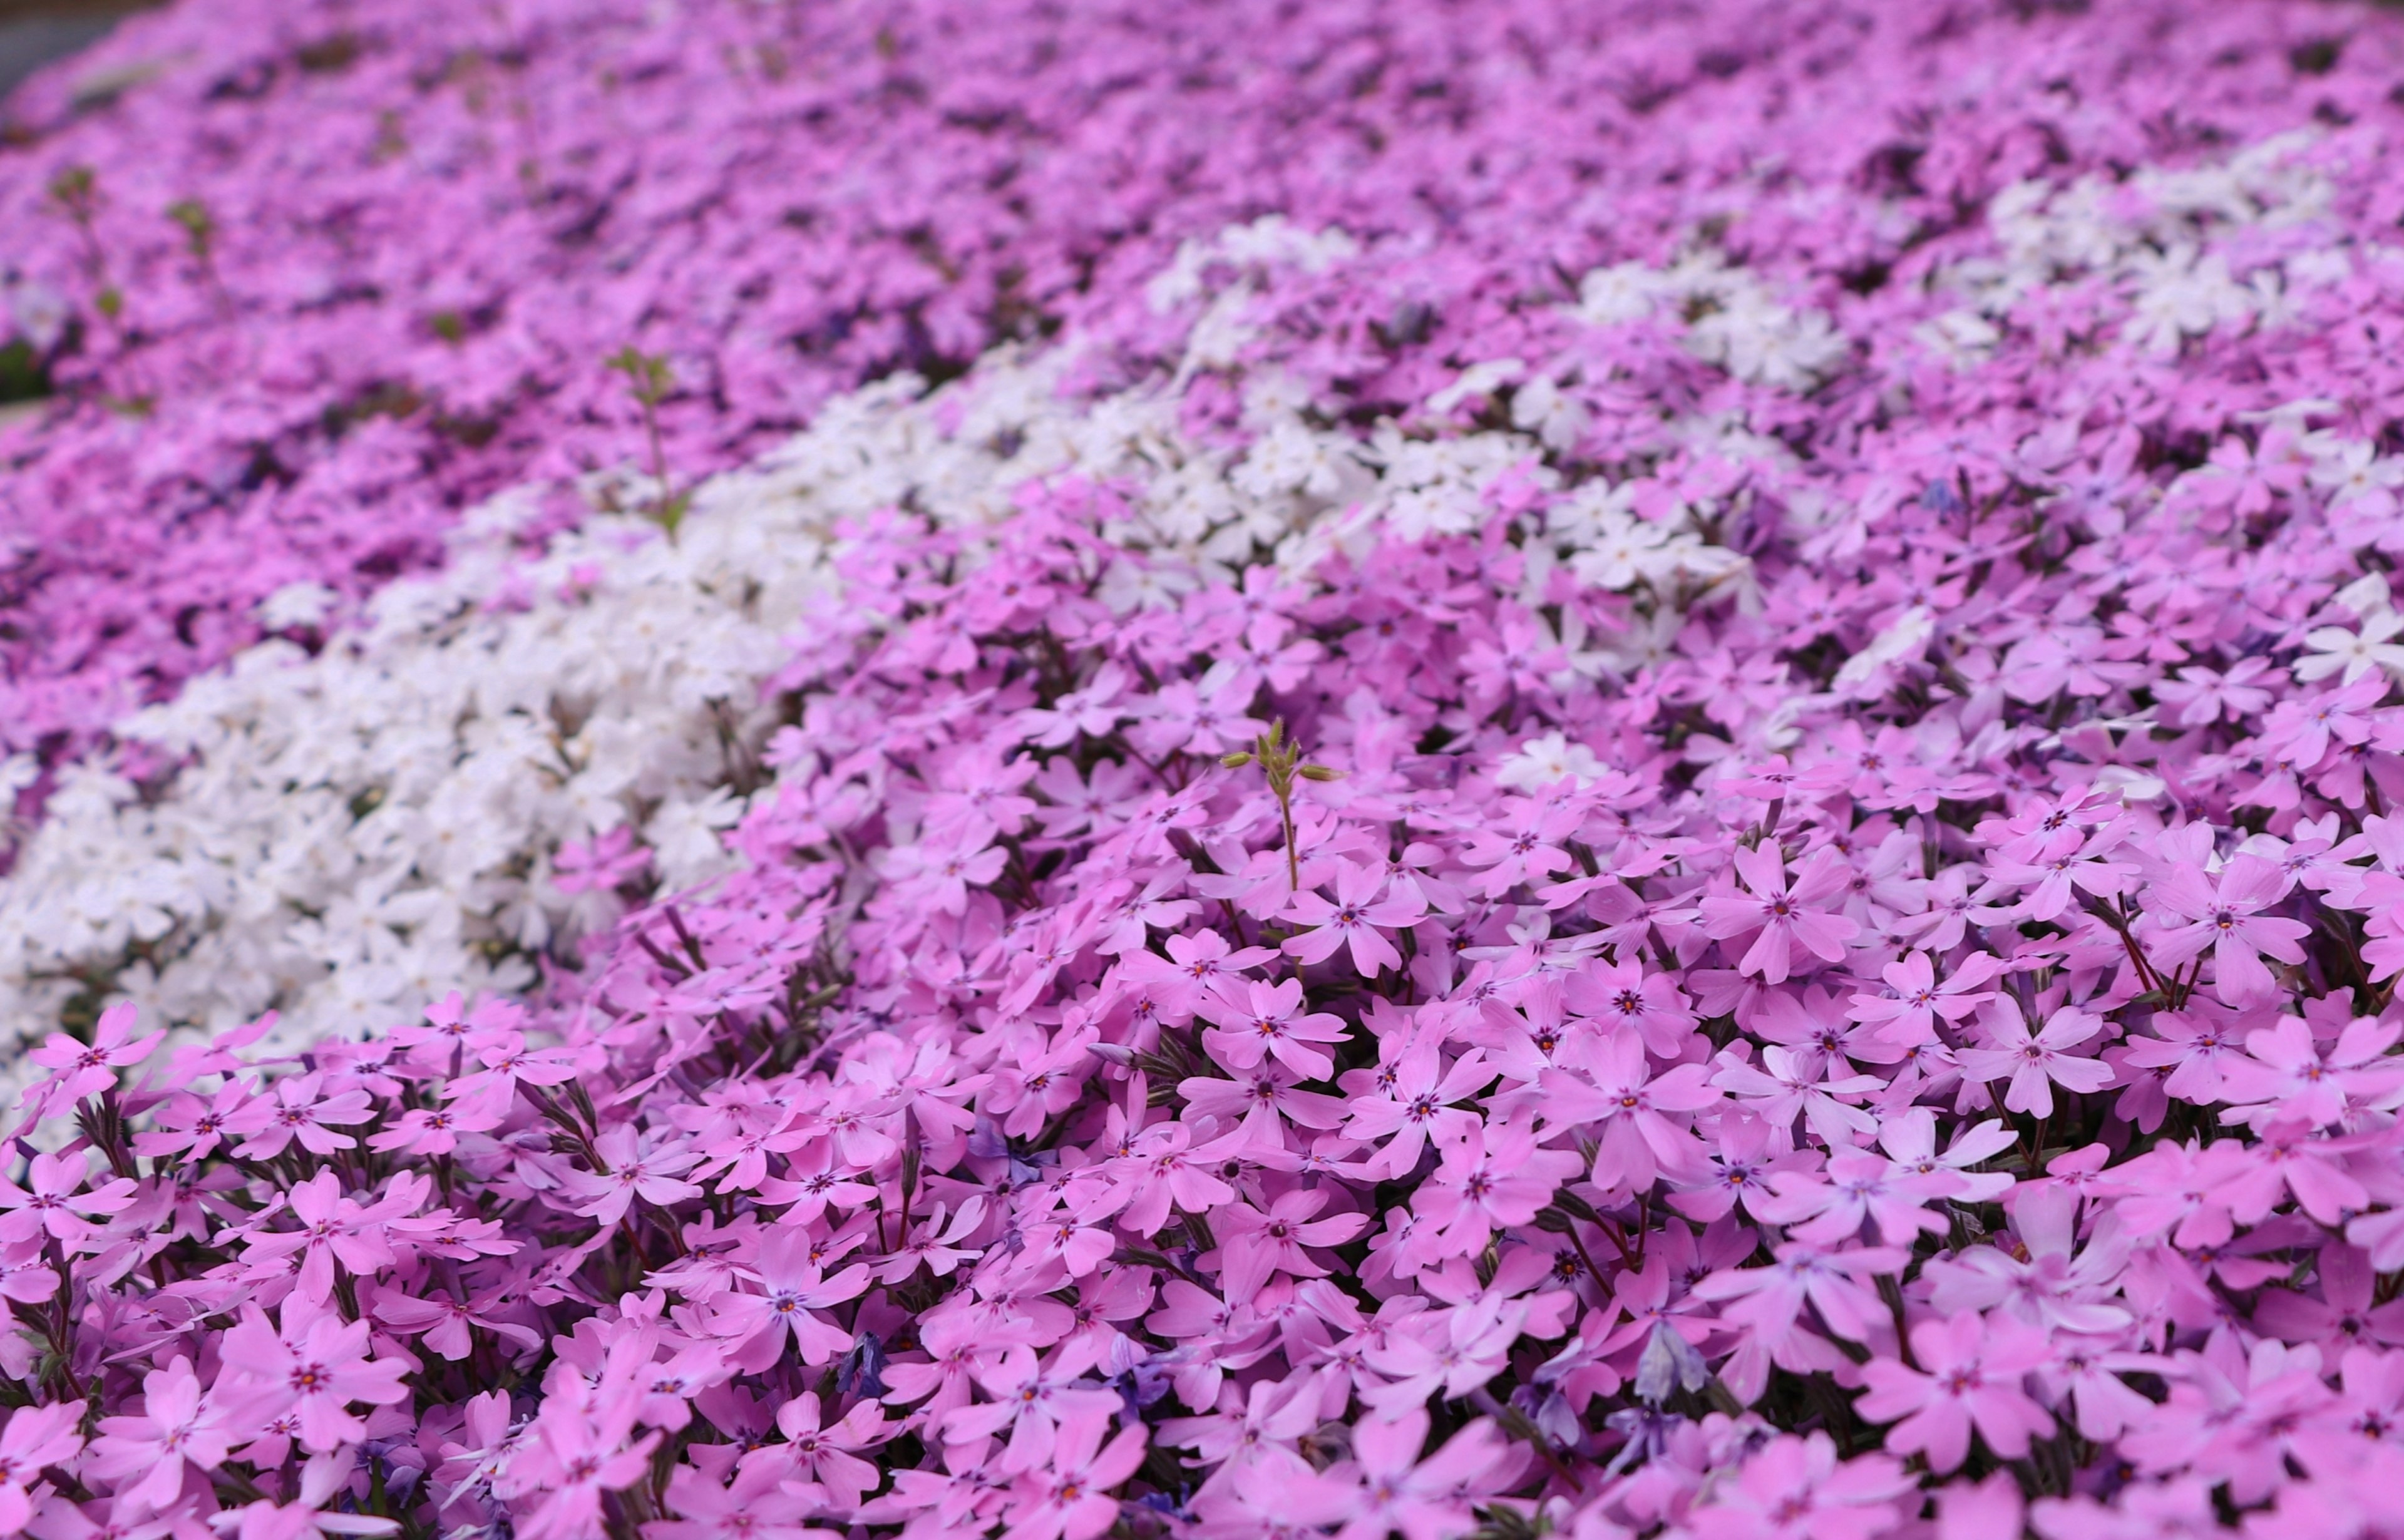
x: 581, y: 1447
x: 637, y: 1167
x: 2225, y: 916
x: 1197, y: 964
x: 80, y: 1070
x: 1735, y: 684
x: 53, y: 1200
x: 1769, y: 1300
x: 1796, y: 1489
x: 1420, y: 1498
x: 1781, y: 916
x: 793, y: 1288
x: 1970, y: 1376
x: 1255, y: 1021
x: 1491, y: 1178
x: 1625, y: 995
x: 1859, y: 1188
x: 1523, y: 848
x: 1036, y: 1403
x: 2065, y: 866
x: 334, y: 1228
x: 761, y: 1503
x: 315, y: 1369
x: 599, y: 865
x: 2035, y: 1059
x: 1640, y: 1115
x: 301, y: 1108
x: 1416, y: 1103
x: 2286, y: 1074
x: 325, y: 1479
x: 1919, y: 1002
x: 1072, y: 1500
x: 35, y: 1439
x: 1256, y: 1246
x: 145, y: 1453
x: 1357, y: 917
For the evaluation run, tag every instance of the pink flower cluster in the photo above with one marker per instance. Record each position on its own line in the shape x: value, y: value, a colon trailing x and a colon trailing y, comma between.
x: 1412, y: 1040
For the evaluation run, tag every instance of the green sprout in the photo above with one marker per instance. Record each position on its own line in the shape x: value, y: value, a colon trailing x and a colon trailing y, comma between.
x: 1281, y: 762
x: 199, y: 227
x: 77, y: 191
x: 652, y: 380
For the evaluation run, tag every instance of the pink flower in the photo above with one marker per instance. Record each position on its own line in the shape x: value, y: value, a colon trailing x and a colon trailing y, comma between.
x: 1418, y: 1103
x: 2035, y: 1059
x: 447, y: 1324
x: 1787, y: 1084
x: 1642, y: 1114
x: 35, y: 1439
x: 601, y: 864
x: 1357, y: 919
x: 1796, y: 1489
x: 938, y: 875
x: 334, y: 1228
x: 2226, y: 917
x: 793, y: 1288
x: 636, y: 1167
x: 2286, y: 1074
x: 761, y: 1503
x: 80, y: 1070
x: 1919, y: 1002
x: 1523, y: 847
x: 1491, y: 1178
x: 1255, y: 1021
x: 300, y: 1109
x: 1969, y: 1375
x: 1782, y: 918
x: 1256, y: 1246
x: 1198, y: 963
x: 325, y: 1478
x: 1769, y: 1300
x: 144, y: 1455
x: 582, y: 1445
x: 2065, y: 866
x: 1858, y: 1188
x: 1624, y: 995
x: 1423, y: 1499
x: 1071, y: 1499
x: 1443, y: 1354
x: 1035, y: 1403
x: 53, y: 1200
x: 829, y: 1454
x: 315, y: 1367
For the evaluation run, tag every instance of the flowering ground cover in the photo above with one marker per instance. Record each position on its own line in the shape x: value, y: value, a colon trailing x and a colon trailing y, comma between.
x: 1499, y: 770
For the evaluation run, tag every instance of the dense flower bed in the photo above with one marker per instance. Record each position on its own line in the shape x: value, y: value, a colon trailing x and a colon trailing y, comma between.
x: 1632, y: 780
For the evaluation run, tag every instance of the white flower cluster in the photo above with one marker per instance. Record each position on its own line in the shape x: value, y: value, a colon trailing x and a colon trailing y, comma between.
x: 1731, y: 319
x: 347, y: 835
x: 2157, y: 239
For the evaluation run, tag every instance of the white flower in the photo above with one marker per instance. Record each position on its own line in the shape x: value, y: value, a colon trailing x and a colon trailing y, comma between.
x: 1903, y: 638
x: 2358, y: 652
x: 1609, y: 296
x: 2356, y: 474
x: 1478, y: 381
x: 297, y: 604
x: 1546, y: 761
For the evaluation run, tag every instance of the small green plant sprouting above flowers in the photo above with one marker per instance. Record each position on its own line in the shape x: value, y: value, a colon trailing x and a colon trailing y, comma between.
x: 77, y: 191
x: 652, y: 380
x: 200, y: 229
x: 1281, y: 762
